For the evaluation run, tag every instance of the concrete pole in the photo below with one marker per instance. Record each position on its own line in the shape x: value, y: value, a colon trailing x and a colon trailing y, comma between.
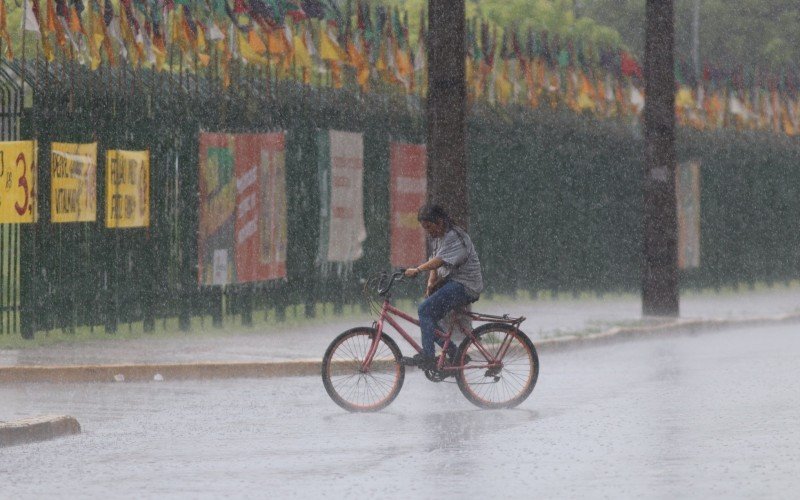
x: 660, y: 295
x: 696, y: 39
x: 446, y: 108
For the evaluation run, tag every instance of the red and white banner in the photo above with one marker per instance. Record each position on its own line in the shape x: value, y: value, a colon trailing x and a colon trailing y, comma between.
x: 260, y: 226
x: 407, y: 188
x: 242, y: 235
x: 340, y: 166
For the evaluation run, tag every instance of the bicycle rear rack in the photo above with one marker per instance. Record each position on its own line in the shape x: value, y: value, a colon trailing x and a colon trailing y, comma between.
x: 505, y: 318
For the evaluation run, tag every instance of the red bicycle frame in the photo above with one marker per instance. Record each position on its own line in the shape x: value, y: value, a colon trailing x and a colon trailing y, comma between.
x: 492, y: 361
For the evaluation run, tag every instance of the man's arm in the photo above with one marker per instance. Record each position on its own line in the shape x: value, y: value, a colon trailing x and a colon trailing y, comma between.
x: 433, y: 278
x: 432, y: 265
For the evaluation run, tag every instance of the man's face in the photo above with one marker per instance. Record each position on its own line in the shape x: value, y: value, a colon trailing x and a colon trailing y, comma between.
x: 434, y: 229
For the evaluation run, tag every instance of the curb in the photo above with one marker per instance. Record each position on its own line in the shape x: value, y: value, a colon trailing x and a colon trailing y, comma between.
x: 149, y: 372
x: 677, y: 326
x: 34, y: 429
x: 307, y: 367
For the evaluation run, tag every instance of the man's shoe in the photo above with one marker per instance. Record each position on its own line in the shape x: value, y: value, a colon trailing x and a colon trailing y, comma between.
x: 424, y: 362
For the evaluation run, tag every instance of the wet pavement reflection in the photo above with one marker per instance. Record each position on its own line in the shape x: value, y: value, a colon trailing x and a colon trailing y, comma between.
x: 712, y: 415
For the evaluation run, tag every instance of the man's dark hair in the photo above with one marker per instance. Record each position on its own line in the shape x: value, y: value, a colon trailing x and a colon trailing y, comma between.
x: 432, y: 212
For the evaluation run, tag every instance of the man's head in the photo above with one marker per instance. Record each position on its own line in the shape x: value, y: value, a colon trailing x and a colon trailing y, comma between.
x: 434, y: 219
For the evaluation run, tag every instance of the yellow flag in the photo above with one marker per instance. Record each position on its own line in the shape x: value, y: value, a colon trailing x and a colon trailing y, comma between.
x: 502, y: 85
x: 684, y: 98
x: 503, y: 88
x: 96, y: 38
x: 302, y: 57
x: 329, y: 49
x: 586, y: 94
x: 248, y: 52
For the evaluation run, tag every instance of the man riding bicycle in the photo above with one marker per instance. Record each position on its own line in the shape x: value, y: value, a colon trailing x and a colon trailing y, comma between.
x: 496, y: 365
x: 454, y: 278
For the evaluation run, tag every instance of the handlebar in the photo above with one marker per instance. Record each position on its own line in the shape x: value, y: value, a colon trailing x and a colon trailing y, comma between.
x: 398, y: 276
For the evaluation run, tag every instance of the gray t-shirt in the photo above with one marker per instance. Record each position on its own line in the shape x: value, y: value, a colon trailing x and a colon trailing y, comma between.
x: 455, y: 248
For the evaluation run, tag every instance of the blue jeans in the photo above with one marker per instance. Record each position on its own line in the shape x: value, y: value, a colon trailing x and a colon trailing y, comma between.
x: 436, y: 307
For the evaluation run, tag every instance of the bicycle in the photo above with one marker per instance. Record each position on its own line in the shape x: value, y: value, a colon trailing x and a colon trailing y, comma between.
x: 496, y: 365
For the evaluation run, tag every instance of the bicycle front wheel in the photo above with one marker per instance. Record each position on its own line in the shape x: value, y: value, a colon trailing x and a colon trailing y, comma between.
x: 500, y: 366
x: 351, y: 385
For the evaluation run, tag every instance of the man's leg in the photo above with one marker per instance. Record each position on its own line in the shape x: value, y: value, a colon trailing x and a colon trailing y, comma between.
x: 434, y: 308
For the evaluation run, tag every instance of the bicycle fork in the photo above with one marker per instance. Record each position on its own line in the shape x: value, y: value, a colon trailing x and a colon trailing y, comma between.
x: 374, y: 347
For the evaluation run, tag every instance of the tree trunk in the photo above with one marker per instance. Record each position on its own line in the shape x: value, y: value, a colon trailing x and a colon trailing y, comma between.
x: 446, y: 108
x: 660, y: 274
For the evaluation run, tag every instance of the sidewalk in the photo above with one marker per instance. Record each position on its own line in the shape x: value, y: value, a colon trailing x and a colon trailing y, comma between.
x: 548, y: 320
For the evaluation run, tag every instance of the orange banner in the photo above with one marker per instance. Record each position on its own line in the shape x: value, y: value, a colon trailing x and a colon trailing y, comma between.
x: 408, y: 186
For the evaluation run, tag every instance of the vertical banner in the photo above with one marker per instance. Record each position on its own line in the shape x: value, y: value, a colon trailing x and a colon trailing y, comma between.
x: 407, y: 190
x: 243, y: 211
x: 73, y: 182
x: 18, y: 182
x: 217, y: 210
x: 687, y: 188
x: 341, y: 179
x: 260, y: 227
x: 127, y: 189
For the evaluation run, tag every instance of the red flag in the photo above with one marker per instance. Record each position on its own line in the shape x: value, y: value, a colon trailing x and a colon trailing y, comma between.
x: 629, y: 66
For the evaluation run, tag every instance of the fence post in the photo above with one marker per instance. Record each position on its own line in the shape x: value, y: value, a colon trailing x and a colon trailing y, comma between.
x: 246, y: 305
x: 217, y: 308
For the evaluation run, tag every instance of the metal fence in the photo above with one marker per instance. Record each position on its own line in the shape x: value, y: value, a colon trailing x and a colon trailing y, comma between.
x: 11, y: 103
x: 555, y: 198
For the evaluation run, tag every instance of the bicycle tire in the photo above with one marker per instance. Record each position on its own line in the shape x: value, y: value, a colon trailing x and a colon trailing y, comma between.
x: 506, y: 387
x: 347, y: 385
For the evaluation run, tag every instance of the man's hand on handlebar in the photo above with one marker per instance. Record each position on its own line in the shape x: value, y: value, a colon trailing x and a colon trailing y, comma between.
x: 411, y: 272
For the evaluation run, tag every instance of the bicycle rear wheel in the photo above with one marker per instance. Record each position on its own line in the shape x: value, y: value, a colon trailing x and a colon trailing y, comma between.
x: 501, y: 366
x: 353, y: 388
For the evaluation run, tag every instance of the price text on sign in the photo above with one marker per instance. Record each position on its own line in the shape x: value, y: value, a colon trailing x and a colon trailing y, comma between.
x: 127, y: 189
x: 73, y: 182
x: 18, y: 182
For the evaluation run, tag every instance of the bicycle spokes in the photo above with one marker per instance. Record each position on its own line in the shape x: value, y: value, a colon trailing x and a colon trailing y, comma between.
x: 358, y: 385
x: 502, y: 367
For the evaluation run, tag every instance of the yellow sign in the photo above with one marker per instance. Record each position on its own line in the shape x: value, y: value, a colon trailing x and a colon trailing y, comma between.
x: 73, y: 182
x: 18, y: 182
x: 127, y: 189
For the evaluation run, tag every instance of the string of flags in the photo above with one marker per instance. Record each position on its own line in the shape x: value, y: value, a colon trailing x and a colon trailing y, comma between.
x: 354, y: 44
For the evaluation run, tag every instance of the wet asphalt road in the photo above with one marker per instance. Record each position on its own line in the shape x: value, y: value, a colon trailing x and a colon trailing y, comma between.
x: 714, y: 415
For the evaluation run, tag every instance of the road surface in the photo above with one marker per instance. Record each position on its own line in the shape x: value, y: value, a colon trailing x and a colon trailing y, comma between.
x: 710, y: 415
